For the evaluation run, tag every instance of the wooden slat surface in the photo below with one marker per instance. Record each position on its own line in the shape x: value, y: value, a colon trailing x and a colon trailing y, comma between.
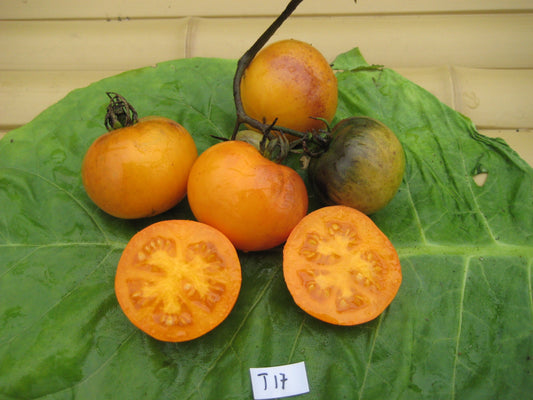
x: 496, y: 98
x: 24, y: 94
x: 493, y: 41
x: 480, y: 40
x: 90, y: 44
x: 80, y: 9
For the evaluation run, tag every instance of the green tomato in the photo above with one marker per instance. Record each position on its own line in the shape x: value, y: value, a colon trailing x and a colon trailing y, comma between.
x: 362, y: 168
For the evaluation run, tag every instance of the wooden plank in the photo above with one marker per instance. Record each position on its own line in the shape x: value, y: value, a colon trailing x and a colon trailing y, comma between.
x: 71, y: 9
x: 90, y: 44
x: 495, y: 98
x: 490, y: 41
x: 24, y: 94
x: 482, y: 41
x: 51, y: 9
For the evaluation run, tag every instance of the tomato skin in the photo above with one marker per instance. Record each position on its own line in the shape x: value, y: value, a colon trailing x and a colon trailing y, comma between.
x: 362, y: 168
x: 292, y: 81
x: 177, y: 279
x: 141, y: 170
x: 339, y: 267
x: 252, y: 200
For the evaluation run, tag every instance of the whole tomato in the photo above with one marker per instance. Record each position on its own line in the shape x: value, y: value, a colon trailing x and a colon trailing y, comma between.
x: 362, y: 168
x: 139, y: 170
x: 291, y: 82
x: 255, y: 202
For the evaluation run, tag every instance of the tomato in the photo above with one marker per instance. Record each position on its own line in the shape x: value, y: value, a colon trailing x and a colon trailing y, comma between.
x: 292, y: 81
x: 252, y: 200
x: 362, y: 168
x: 177, y: 280
x: 339, y: 267
x: 140, y: 170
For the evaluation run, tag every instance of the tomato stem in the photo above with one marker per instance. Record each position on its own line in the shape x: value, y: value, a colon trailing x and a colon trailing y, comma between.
x: 120, y: 113
x: 313, y: 143
x: 244, y: 61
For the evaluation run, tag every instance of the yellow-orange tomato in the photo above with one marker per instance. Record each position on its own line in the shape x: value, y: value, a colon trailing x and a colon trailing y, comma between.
x: 340, y: 267
x: 292, y: 81
x: 177, y: 280
x: 252, y: 200
x: 140, y: 170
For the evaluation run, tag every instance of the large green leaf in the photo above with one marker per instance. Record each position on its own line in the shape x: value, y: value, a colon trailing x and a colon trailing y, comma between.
x: 461, y: 326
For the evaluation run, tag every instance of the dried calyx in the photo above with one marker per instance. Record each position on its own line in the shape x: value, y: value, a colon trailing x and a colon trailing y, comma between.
x: 120, y: 113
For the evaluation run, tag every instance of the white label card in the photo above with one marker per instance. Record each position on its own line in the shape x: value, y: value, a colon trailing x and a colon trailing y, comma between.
x: 282, y: 381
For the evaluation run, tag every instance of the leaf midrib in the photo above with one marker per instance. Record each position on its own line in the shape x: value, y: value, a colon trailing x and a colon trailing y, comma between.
x: 493, y: 249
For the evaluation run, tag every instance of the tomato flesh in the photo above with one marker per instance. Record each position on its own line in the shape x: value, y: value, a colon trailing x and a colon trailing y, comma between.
x: 177, y: 280
x: 339, y: 267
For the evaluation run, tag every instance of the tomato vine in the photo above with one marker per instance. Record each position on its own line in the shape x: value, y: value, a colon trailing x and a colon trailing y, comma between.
x: 274, y: 145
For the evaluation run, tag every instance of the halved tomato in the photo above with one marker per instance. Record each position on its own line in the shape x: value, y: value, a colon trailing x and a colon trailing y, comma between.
x: 340, y: 267
x: 177, y: 280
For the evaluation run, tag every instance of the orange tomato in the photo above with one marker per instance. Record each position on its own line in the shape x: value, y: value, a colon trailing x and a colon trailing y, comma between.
x: 177, y: 280
x: 252, y: 200
x: 339, y: 266
x: 141, y: 170
x: 292, y: 81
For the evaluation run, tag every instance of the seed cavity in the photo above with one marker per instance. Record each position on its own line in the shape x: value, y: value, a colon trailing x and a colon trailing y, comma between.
x: 337, y: 240
x: 353, y: 302
x: 158, y: 243
x: 313, y: 249
x: 343, y: 229
x: 316, y: 283
x: 207, y: 251
x: 174, y: 278
x: 372, y: 271
x: 185, y: 318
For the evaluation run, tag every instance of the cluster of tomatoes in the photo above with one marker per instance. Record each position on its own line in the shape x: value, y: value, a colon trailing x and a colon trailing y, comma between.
x: 178, y: 279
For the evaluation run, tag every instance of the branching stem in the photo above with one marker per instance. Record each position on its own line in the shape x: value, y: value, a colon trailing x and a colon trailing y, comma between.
x: 244, y: 61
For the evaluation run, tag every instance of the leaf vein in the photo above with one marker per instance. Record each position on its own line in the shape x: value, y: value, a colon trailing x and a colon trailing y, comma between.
x: 459, y: 327
x: 370, y: 356
x: 77, y: 201
x: 67, y: 294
